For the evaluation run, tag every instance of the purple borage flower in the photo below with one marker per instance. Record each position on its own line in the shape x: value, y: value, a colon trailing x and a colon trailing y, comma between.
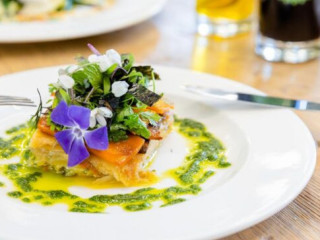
x: 74, y: 139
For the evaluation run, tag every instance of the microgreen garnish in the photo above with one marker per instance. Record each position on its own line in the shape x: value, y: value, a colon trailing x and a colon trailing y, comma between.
x: 108, y: 94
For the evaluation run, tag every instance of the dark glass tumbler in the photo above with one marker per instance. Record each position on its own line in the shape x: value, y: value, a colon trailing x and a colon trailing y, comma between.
x: 289, y: 30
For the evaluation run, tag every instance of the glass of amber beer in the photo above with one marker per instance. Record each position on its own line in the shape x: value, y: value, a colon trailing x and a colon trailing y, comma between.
x: 224, y: 18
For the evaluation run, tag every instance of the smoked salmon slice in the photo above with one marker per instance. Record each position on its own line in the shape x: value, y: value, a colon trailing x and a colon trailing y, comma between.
x: 120, y: 153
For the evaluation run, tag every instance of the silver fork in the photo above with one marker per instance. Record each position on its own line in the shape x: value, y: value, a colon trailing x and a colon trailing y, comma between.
x: 16, y: 101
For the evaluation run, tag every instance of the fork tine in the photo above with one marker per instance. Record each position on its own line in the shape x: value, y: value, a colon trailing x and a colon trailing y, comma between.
x: 13, y: 97
x: 18, y: 104
x: 15, y: 101
x: 18, y: 101
x: 8, y: 96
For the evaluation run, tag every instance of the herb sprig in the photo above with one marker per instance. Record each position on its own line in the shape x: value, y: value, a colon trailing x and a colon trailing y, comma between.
x: 33, y: 122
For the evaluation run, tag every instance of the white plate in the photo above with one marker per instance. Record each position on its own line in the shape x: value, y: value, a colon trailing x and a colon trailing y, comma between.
x: 123, y: 13
x: 272, y: 154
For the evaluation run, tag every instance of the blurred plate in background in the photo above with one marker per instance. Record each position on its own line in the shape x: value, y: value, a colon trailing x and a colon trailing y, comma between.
x: 122, y: 14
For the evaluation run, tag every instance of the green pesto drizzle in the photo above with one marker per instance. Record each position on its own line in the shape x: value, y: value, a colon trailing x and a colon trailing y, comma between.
x: 174, y: 201
x: 206, y: 154
x: 19, y: 139
x: 24, y: 179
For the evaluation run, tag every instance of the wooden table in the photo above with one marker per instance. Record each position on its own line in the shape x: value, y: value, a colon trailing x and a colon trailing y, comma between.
x: 170, y: 39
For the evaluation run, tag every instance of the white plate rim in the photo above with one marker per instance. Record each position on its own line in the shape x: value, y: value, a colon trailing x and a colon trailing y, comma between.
x: 28, y: 32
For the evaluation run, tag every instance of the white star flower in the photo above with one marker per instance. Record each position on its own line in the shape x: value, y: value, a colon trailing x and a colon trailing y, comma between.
x: 71, y: 69
x: 107, y: 60
x: 65, y: 81
x: 119, y: 88
x: 99, y: 115
x: 114, y: 57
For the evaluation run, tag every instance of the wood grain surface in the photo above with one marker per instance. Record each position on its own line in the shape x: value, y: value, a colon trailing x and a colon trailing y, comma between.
x: 170, y: 39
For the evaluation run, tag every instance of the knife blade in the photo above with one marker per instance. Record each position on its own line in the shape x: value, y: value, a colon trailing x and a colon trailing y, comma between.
x: 297, y: 104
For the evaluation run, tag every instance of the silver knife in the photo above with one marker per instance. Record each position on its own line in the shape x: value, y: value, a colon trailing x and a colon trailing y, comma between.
x: 252, y: 98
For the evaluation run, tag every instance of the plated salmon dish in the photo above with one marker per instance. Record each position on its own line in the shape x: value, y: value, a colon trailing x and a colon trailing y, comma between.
x: 106, y: 126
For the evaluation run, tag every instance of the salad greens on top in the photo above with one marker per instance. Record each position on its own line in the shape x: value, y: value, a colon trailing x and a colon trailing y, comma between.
x: 115, y: 91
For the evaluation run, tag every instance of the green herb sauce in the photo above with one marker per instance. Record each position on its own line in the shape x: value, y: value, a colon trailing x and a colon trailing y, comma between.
x: 206, y: 154
x: 19, y: 139
x: 25, y: 179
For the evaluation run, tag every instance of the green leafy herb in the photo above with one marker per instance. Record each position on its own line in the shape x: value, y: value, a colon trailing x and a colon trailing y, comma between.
x: 111, y: 69
x: 62, y: 95
x: 127, y: 119
x: 136, y: 125
x: 79, y: 77
x: 123, y: 113
x: 151, y: 117
x: 106, y: 85
x: 117, y: 135
x: 94, y: 75
x: 118, y: 132
x: 91, y: 73
x: 52, y: 88
x: 134, y: 77
x: 117, y: 126
x: 147, y: 71
x: 127, y: 60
